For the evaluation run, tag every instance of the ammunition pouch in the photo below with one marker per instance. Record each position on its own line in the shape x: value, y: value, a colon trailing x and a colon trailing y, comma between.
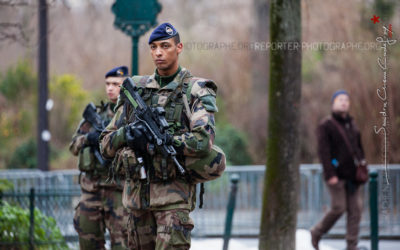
x: 88, y: 163
x: 162, y: 169
x: 125, y: 165
x: 86, y: 160
x: 135, y: 194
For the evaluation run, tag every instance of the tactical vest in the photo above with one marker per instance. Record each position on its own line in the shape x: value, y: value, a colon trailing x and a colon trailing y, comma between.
x: 177, y: 115
x: 161, y: 169
x: 87, y: 162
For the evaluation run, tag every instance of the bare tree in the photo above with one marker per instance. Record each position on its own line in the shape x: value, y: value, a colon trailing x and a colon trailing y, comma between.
x: 13, y: 31
x: 279, y: 213
x: 13, y: 3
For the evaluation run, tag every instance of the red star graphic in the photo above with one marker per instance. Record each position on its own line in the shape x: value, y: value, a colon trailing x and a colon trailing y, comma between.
x: 375, y: 19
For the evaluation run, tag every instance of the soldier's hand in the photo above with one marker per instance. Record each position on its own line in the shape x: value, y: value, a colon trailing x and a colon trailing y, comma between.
x: 136, y: 137
x: 93, y: 138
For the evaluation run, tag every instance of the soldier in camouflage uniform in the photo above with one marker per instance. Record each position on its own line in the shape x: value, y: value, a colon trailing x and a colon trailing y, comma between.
x: 160, y: 204
x: 100, y: 206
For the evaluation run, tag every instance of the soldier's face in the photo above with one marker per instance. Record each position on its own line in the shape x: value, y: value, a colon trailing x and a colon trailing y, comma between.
x: 165, y: 55
x: 113, y: 87
x: 341, y: 104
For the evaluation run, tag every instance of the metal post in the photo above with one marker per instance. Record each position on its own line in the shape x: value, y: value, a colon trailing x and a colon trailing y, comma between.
x: 32, y: 219
x: 135, y: 55
x: 43, y: 133
x: 373, y: 208
x: 230, y: 209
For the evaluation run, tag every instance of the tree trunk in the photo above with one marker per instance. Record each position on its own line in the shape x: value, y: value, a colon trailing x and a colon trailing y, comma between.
x: 279, y: 213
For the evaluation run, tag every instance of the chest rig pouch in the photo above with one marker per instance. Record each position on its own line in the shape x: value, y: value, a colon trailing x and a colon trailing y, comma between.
x: 164, y: 169
x: 87, y: 161
x: 158, y: 168
x: 86, y: 158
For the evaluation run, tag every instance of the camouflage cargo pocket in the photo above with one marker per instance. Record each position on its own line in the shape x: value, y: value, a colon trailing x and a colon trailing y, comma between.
x: 178, y: 235
x: 86, y: 160
x: 181, y: 235
x: 206, y: 168
x: 135, y: 195
x: 164, y: 169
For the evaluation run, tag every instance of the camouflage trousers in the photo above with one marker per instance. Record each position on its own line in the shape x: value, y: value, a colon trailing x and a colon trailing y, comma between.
x: 97, y: 211
x: 159, y: 230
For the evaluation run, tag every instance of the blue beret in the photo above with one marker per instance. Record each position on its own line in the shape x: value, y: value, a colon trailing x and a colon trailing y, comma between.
x: 339, y: 92
x: 162, y: 32
x: 118, y: 71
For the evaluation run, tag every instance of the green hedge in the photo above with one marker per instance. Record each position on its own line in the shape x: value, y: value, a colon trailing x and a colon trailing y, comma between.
x: 14, y: 229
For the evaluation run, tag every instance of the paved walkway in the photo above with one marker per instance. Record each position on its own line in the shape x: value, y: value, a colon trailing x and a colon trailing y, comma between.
x: 303, y: 242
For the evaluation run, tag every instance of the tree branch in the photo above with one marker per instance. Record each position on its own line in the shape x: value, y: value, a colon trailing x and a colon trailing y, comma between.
x: 12, y: 32
x: 13, y: 3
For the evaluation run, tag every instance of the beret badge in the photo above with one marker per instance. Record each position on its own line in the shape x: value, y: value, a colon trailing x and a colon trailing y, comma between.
x: 169, y: 30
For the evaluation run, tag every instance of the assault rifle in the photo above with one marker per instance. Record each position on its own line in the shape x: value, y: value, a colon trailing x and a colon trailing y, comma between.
x: 153, y: 119
x: 93, y: 118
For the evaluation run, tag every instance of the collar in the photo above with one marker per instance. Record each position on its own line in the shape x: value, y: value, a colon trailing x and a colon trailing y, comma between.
x: 338, y: 116
x: 112, y: 105
x: 179, y: 77
x: 165, y: 80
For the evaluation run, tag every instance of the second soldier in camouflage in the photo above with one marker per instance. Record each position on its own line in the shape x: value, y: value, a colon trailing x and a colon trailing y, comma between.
x: 100, y: 206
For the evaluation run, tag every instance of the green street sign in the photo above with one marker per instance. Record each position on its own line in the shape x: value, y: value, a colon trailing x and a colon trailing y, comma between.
x: 134, y: 18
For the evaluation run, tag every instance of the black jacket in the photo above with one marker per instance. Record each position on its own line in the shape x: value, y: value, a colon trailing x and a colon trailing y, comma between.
x: 331, y: 145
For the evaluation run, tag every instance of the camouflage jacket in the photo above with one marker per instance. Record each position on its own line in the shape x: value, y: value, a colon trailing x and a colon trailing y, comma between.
x: 98, y: 174
x: 193, y: 139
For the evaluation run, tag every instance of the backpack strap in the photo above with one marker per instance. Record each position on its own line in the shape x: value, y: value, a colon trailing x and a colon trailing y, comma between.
x: 185, y: 93
x: 202, y: 190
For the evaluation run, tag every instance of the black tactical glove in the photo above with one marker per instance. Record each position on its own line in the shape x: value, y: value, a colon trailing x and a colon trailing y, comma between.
x: 169, y: 139
x: 137, y: 136
x: 93, y: 138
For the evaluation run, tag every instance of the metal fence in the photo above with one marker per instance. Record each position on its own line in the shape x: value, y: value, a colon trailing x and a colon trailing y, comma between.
x: 58, y: 193
x: 313, y: 202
